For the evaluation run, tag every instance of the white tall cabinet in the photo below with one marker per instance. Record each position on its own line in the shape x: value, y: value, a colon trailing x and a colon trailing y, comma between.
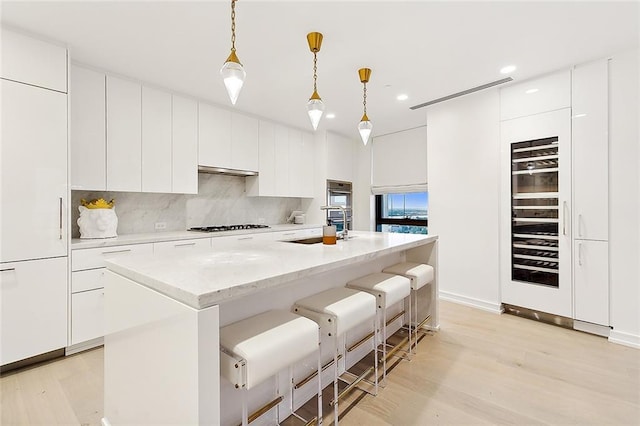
x: 33, y: 196
x: 184, y: 138
x: 590, y: 117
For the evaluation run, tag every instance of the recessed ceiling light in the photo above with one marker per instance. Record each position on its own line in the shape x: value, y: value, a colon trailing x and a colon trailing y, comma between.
x: 331, y: 115
x: 530, y: 91
x: 508, y: 69
x: 402, y: 97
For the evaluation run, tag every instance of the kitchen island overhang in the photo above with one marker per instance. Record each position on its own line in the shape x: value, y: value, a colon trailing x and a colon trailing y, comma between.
x: 163, y: 314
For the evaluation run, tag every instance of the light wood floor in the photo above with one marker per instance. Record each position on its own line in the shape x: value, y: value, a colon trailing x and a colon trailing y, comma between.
x: 481, y: 368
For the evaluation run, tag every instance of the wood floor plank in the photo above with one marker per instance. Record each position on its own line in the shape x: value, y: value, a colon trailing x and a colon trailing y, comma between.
x: 481, y: 368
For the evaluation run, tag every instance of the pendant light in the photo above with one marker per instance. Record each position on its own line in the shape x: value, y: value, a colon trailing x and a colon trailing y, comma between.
x: 232, y: 71
x: 365, y: 126
x: 315, y: 106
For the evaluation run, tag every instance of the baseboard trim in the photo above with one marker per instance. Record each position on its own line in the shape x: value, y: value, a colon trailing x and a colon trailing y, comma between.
x: 84, y: 346
x: 484, y: 305
x: 626, y: 339
x: 587, y: 327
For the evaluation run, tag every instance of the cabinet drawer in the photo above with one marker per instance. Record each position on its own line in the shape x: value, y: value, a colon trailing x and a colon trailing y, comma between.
x: 90, y: 279
x: 87, y: 315
x: 168, y: 246
x: 94, y: 258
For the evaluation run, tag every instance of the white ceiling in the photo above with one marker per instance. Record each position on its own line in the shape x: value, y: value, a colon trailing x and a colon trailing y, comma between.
x: 422, y: 48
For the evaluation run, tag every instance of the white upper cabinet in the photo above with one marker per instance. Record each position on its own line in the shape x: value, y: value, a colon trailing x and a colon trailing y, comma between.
x: 124, y: 145
x: 399, y: 160
x: 156, y: 140
x: 548, y: 93
x: 282, y: 161
x: 590, y: 151
x: 32, y: 61
x: 295, y: 163
x: 214, y: 136
x: 339, y: 158
x: 33, y: 172
x: 307, y: 166
x: 185, y: 146
x: 244, y: 142
x: 265, y: 183
x: 88, y: 134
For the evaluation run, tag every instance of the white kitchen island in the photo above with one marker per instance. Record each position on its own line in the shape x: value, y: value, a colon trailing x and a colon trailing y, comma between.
x: 163, y: 313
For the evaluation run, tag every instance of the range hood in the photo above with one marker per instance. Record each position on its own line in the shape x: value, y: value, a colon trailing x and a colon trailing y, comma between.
x: 225, y: 171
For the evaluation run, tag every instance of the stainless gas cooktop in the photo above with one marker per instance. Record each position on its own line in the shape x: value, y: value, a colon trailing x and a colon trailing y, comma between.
x: 222, y: 228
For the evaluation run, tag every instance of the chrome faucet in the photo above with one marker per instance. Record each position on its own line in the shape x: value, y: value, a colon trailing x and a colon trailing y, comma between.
x: 345, y: 230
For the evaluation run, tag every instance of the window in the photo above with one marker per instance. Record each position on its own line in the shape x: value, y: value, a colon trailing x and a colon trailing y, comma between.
x: 405, y: 213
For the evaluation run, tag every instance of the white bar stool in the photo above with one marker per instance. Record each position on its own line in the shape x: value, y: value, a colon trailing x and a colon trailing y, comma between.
x: 338, y: 310
x: 256, y: 348
x: 420, y: 275
x: 389, y: 289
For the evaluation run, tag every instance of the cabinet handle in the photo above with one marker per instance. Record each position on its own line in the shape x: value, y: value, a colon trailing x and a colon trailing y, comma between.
x: 245, y: 238
x: 60, y: 218
x: 580, y: 225
x: 289, y: 233
x: 116, y: 251
x: 185, y: 245
x: 580, y: 254
x: 7, y: 269
x: 564, y: 218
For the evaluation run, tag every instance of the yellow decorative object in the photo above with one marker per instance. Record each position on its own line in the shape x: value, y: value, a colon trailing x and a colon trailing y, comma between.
x: 99, y: 203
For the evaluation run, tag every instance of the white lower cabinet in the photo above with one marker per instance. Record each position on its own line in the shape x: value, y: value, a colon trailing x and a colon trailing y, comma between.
x: 33, y: 308
x: 591, y: 281
x: 182, y: 245
x: 87, y: 289
x: 87, y: 315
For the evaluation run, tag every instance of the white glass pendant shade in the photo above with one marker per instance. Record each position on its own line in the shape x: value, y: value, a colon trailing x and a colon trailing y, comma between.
x: 233, y: 75
x: 365, y: 127
x: 315, y: 109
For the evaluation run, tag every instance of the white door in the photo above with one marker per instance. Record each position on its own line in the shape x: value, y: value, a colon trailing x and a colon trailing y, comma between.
x: 591, y: 280
x: 33, y: 308
x: 553, y: 296
x: 214, y: 136
x: 34, y: 173
x: 244, y: 142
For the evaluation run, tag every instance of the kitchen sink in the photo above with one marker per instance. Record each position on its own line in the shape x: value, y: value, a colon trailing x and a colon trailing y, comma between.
x: 312, y: 240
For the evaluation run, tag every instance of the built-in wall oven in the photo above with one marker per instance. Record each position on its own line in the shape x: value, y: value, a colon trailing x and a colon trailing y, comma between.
x: 339, y: 194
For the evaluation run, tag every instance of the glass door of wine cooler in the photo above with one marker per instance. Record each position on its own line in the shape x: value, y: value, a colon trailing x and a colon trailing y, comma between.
x: 534, y: 211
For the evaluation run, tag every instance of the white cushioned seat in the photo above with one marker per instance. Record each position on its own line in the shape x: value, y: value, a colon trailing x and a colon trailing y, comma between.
x: 268, y: 342
x: 349, y: 307
x: 388, y: 288
x: 419, y: 273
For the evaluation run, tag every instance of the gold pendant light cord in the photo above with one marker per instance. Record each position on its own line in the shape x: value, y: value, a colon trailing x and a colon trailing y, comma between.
x: 233, y: 25
x: 364, y: 98
x: 315, y: 72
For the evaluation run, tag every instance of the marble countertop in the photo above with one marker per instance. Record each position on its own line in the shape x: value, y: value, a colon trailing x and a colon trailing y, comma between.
x: 208, y: 277
x: 156, y: 237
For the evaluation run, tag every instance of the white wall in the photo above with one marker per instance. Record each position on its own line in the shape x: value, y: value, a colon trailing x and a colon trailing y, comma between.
x: 624, y: 198
x: 464, y: 196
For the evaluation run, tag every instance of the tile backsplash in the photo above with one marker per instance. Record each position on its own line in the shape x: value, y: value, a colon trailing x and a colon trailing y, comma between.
x: 221, y: 200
